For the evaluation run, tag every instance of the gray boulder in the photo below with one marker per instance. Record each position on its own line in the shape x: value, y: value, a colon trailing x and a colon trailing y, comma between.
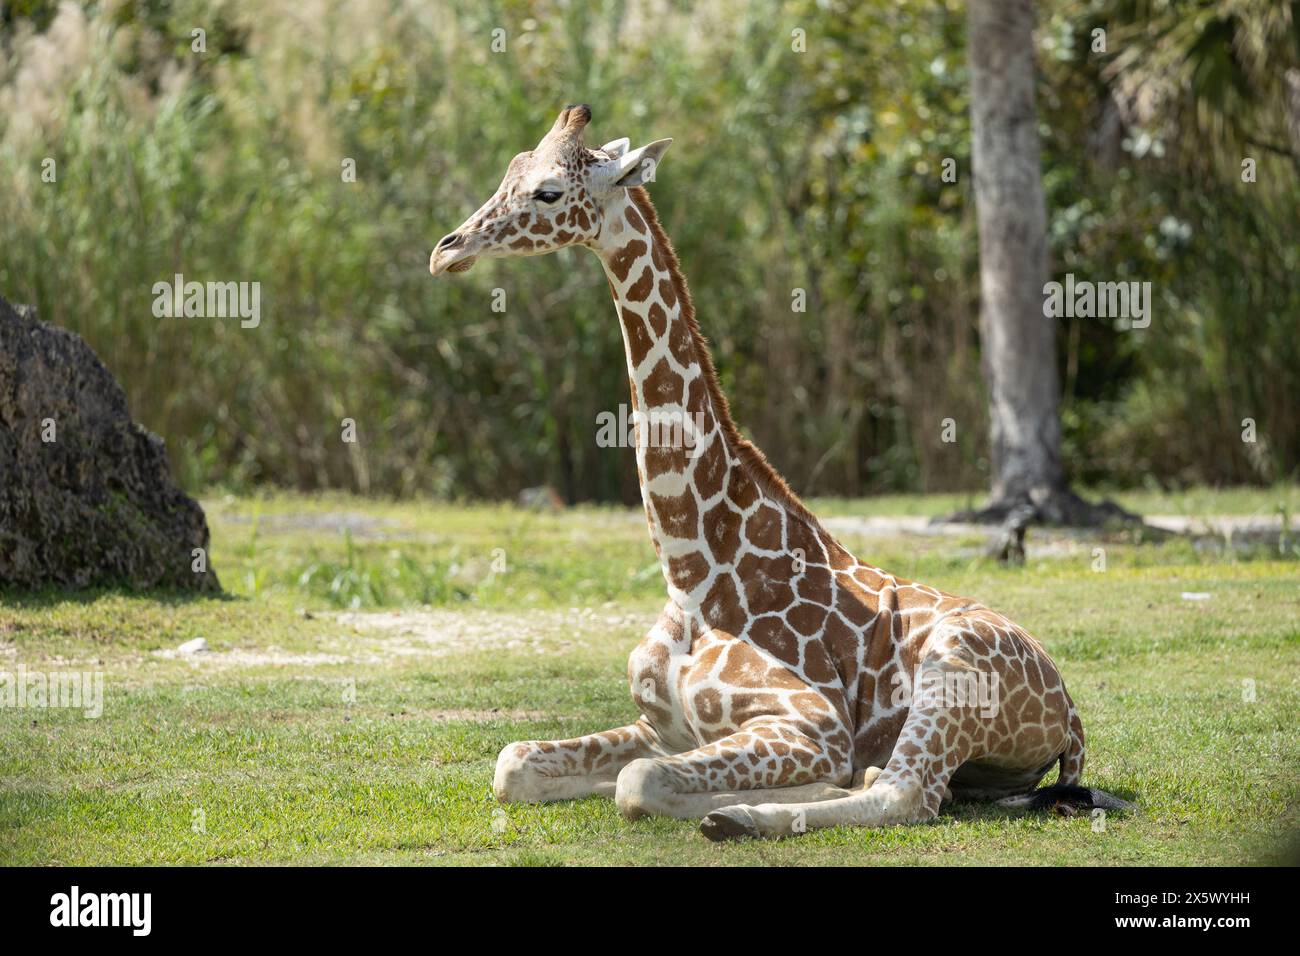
x: 96, y: 505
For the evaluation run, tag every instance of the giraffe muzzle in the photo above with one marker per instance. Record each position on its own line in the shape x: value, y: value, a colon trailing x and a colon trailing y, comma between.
x: 453, y: 253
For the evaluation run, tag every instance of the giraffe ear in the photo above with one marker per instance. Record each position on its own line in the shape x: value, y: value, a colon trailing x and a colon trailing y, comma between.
x: 638, y: 167
x: 616, y: 148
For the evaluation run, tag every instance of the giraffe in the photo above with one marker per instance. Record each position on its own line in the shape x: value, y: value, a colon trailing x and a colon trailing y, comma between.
x: 786, y: 685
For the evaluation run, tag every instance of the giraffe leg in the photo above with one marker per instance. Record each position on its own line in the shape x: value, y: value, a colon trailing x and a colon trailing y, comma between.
x: 909, y: 790
x: 933, y: 743
x: 539, y: 771
x: 864, y: 777
x: 770, y: 761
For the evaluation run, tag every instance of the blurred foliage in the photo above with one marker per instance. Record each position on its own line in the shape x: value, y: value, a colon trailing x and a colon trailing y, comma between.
x: 817, y: 170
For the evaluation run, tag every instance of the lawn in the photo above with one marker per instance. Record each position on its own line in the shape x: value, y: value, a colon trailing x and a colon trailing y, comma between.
x: 370, y: 659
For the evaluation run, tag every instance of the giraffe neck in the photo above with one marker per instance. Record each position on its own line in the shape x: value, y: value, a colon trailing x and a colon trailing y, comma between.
x: 699, y: 478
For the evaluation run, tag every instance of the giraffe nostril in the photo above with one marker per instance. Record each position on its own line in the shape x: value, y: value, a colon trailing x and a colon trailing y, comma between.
x: 446, y: 242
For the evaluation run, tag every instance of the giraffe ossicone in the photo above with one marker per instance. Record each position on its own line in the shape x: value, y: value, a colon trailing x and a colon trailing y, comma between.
x: 776, y: 687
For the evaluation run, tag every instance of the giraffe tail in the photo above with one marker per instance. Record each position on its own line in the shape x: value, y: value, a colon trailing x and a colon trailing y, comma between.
x: 1067, y: 798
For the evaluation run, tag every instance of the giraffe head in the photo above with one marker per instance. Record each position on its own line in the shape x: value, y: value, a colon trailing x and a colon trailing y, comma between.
x: 552, y: 196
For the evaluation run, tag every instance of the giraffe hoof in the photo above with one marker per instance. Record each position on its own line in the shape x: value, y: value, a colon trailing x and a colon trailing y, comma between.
x: 729, y: 823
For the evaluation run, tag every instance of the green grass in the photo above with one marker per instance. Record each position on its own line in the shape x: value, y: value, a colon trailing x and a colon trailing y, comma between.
x: 304, y: 736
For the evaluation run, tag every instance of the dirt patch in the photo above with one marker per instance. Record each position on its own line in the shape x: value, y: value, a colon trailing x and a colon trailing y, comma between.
x: 271, y: 656
x: 474, y: 716
x: 439, y: 632
x: 888, y: 526
x: 380, y: 637
x: 1214, y: 533
x: 357, y: 524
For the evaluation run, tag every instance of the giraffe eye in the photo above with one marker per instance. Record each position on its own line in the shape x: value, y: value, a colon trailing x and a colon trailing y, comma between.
x: 547, y: 195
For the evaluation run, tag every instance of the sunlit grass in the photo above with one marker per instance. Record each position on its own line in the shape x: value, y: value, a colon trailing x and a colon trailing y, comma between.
x: 328, y: 552
x: 303, y: 737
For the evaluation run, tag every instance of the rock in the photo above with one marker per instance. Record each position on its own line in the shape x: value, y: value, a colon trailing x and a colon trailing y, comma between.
x: 196, y: 646
x: 86, y: 495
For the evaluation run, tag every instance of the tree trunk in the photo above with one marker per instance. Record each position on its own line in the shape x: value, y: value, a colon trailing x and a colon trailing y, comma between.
x: 1018, y: 342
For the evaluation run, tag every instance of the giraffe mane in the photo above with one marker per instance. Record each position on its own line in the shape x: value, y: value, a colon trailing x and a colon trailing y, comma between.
x: 750, y: 456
